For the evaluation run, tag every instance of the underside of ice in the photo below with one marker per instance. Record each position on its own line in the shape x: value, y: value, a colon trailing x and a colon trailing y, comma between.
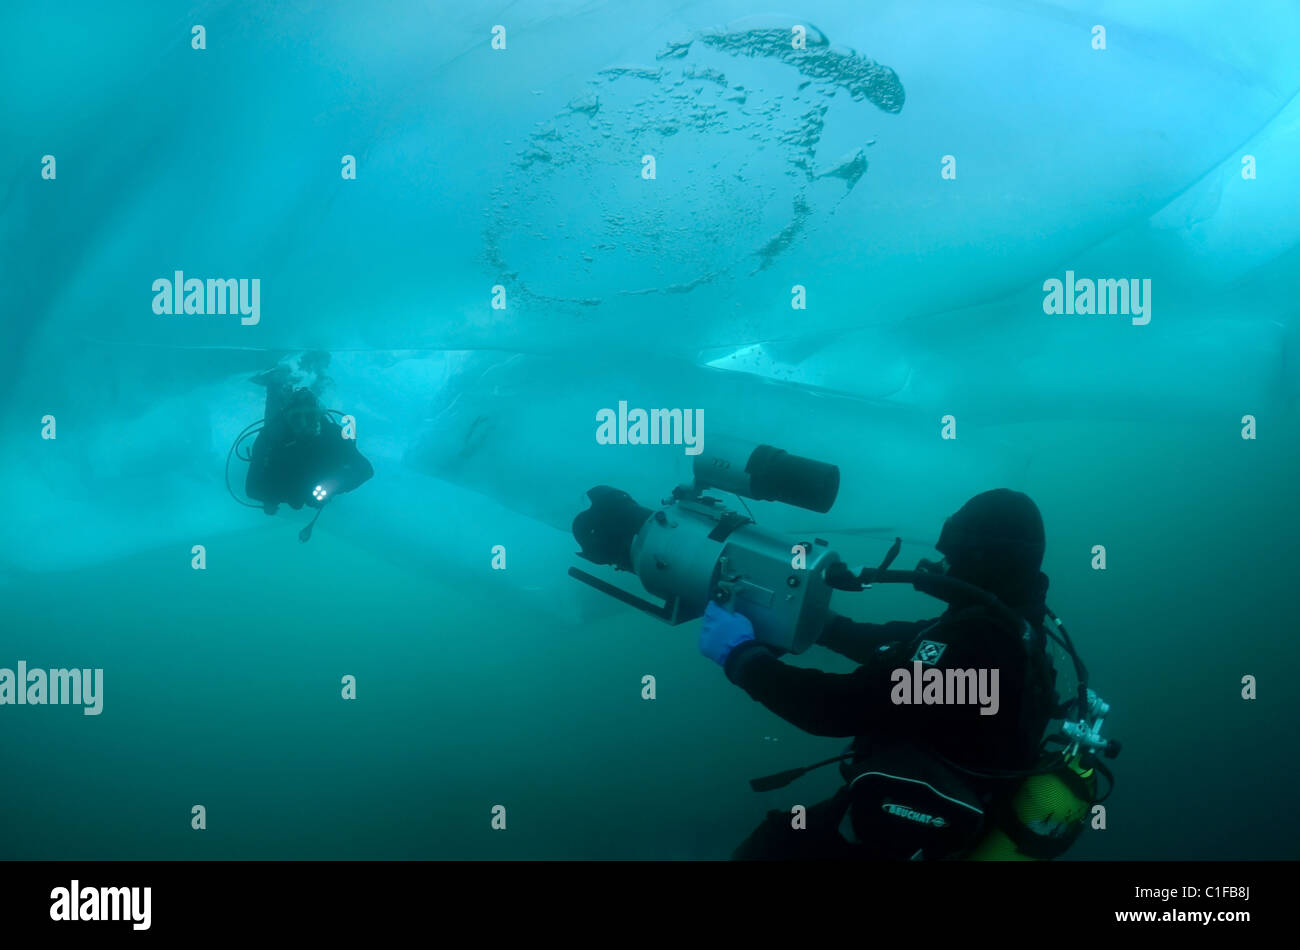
x: 524, y: 169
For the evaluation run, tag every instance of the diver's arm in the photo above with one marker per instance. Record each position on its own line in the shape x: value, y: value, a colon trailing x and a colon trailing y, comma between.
x: 860, y: 642
x: 355, y: 471
x: 824, y: 704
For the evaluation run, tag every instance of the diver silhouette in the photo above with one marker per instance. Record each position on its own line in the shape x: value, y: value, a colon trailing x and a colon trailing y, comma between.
x: 301, y: 456
x: 956, y: 750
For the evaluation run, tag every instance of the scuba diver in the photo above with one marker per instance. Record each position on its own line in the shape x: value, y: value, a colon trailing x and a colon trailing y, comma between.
x: 300, y: 456
x: 927, y: 780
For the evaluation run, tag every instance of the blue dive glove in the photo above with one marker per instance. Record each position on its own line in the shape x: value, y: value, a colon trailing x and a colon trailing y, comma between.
x: 722, y: 632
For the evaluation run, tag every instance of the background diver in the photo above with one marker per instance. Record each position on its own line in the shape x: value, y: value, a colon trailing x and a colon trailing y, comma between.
x: 301, y: 456
x: 995, y: 542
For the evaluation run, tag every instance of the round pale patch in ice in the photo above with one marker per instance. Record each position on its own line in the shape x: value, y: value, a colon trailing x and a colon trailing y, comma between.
x: 656, y: 180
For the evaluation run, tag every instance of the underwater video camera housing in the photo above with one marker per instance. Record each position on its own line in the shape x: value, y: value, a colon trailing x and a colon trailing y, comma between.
x: 694, y: 549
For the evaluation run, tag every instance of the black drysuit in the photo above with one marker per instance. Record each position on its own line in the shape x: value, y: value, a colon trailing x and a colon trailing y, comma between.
x: 860, y: 704
x: 284, y: 471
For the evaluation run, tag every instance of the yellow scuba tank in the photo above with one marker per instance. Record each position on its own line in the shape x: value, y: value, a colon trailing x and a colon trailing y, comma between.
x: 1042, y: 818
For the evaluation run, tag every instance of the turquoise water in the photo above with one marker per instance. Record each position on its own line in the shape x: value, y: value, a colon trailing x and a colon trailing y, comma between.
x: 522, y: 169
x: 222, y: 689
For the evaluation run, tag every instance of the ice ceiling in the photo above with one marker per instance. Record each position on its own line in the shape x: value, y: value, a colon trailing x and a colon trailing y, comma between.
x: 523, y: 168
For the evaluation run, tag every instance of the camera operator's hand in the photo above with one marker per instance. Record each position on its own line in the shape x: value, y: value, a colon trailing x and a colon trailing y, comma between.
x: 723, y: 631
